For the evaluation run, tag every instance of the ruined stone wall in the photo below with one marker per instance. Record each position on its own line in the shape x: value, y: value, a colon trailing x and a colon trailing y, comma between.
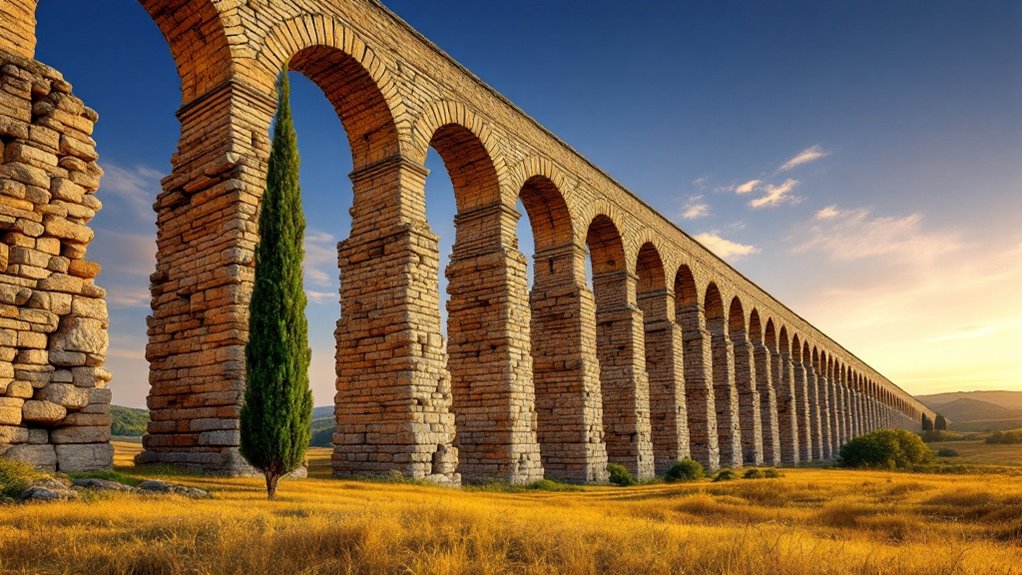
x: 54, y: 401
x: 638, y: 368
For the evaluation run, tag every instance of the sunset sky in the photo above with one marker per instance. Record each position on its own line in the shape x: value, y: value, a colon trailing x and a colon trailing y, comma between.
x: 861, y: 161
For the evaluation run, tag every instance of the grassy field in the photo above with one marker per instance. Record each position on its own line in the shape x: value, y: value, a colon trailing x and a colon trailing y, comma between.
x: 979, y: 453
x: 810, y: 521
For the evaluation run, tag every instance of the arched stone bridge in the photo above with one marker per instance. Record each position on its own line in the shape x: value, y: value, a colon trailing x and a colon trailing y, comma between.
x: 670, y: 352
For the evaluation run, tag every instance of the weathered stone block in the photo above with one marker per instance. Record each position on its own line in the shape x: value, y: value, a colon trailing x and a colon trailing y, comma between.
x: 45, y: 412
x: 41, y: 456
x: 84, y: 457
x: 80, y: 334
x: 99, y: 434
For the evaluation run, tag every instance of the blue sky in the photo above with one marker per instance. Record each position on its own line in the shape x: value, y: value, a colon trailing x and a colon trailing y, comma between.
x: 859, y: 160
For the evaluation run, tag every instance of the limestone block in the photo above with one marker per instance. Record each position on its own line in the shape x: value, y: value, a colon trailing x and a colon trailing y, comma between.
x: 65, y: 394
x: 10, y: 410
x: 45, y: 412
x: 222, y: 437
x: 87, y: 307
x: 40, y: 456
x: 20, y: 389
x: 98, y: 434
x: 62, y: 358
x: 84, y: 457
x: 12, y: 434
x: 38, y: 436
x: 80, y: 334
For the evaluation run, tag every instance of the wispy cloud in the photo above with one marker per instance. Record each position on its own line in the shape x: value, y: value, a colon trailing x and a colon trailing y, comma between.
x: 776, y: 194
x: 965, y: 333
x: 320, y: 265
x: 857, y: 234
x: 725, y: 248
x: 802, y: 158
x: 137, y: 186
x: 695, y: 208
x: 701, y: 182
x: 747, y: 187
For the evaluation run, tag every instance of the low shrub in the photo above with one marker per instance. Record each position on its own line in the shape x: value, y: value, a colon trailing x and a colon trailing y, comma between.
x: 685, y: 470
x: 15, y: 477
x: 725, y: 474
x: 619, y: 475
x: 885, y: 448
x: 753, y: 473
x: 1005, y: 437
x: 772, y: 473
x: 946, y: 452
x: 550, y: 485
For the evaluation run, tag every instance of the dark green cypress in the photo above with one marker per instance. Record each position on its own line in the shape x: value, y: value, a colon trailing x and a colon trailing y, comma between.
x: 275, y: 417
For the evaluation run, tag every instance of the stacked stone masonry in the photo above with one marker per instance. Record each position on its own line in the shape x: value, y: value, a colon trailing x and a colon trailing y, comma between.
x: 668, y: 353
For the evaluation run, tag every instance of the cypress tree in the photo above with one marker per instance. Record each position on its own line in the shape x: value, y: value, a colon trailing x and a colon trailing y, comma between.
x: 276, y: 414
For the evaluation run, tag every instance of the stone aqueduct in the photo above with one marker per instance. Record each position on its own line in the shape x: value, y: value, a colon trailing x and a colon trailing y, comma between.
x: 670, y: 353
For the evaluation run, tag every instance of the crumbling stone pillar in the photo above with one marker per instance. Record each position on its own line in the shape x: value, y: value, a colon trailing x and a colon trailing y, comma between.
x: 666, y: 369
x: 566, y: 372
x: 488, y: 351
x: 816, y: 427
x: 699, y: 392
x: 54, y: 401
x: 729, y: 433
x: 787, y: 407
x: 749, y: 403
x: 768, y: 404
x: 393, y: 402
x: 805, y: 450
x: 623, y: 378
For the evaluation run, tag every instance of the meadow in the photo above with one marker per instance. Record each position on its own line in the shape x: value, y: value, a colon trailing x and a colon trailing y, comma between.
x: 809, y: 521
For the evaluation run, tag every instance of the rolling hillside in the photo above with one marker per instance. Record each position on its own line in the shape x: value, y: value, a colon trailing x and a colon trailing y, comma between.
x: 978, y: 410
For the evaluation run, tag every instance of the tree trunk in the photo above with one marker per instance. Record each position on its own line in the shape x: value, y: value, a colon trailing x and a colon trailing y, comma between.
x: 271, y: 484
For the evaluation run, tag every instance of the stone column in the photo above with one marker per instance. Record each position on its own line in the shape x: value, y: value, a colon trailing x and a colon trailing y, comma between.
x: 786, y: 409
x: 835, y: 400
x: 823, y: 383
x: 666, y: 369
x: 207, y: 231
x: 805, y: 449
x: 816, y: 433
x: 488, y: 350
x: 566, y: 372
x: 768, y: 404
x: 699, y: 393
x: 729, y: 434
x: 842, y: 408
x: 749, y: 404
x: 849, y: 418
x: 623, y: 379
x: 393, y: 402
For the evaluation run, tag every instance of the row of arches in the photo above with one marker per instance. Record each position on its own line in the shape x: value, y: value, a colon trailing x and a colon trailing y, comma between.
x: 631, y: 345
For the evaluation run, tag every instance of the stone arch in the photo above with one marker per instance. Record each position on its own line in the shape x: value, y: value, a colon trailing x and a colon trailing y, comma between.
x: 749, y: 419
x: 201, y: 66
x: 649, y: 267
x: 469, y: 148
x: 602, y: 213
x: 341, y: 63
x: 620, y: 346
x: 725, y: 392
x: 699, y: 393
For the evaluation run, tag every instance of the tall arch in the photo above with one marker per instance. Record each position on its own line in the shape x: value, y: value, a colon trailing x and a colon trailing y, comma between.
x: 664, y: 360
x: 745, y: 383
x: 823, y: 387
x: 729, y: 432
x: 799, y: 353
x: 566, y: 372
x: 488, y: 350
x: 764, y: 341
x: 699, y: 393
x: 787, y: 404
x: 620, y: 348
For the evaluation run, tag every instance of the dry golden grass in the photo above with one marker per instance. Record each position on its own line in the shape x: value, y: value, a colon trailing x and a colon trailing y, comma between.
x: 810, y: 521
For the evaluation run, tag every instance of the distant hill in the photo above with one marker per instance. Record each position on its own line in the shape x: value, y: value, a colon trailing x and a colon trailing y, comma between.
x: 132, y: 422
x: 978, y: 410
x: 1009, y: 399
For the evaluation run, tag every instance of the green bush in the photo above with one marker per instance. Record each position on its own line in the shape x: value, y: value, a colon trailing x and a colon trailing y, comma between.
x: 946, y: 452
x: 885, y: 448
x: 772, y: 473
x: 15, y: 477
x: 127, y: 421
x: 753, y: 473
x: 725, y: 474
x: 1005, y: 437
x: 619, y: 475
x: 685, y: 470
